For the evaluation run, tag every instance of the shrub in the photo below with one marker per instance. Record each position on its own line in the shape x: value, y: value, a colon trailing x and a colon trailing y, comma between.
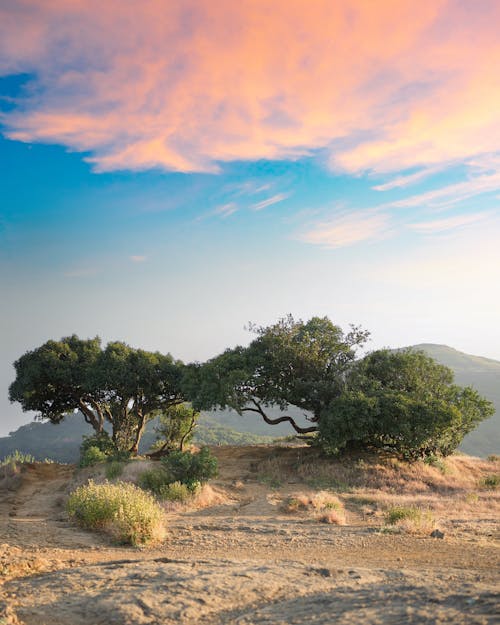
x: 404, y: 402
x: 121, y: 510
x: 153, y: 480
x: 399, y: 513
x: 92, y: 455
x: 190, y: 468
x: 175, y: 492
x: 114, y: 469
x: 490, y: 481
x: 15, y: 458
x: 102, y: 441
x: 410, y: 520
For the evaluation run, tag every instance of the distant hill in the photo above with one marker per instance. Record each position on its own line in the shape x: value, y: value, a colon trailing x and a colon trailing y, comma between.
x: 484, y: 375
x: 62, y: 442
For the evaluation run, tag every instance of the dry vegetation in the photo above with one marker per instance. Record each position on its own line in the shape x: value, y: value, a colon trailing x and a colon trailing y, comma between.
x: 280, y: 524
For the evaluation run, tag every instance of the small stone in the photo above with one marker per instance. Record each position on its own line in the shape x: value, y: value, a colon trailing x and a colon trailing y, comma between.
x: 437, y: 534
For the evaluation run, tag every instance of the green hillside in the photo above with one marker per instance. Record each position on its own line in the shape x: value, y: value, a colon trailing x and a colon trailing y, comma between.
x: 62, y: 442
x: 484, y: 375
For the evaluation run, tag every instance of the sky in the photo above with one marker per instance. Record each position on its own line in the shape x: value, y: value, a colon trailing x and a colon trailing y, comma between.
x: 171, y: 171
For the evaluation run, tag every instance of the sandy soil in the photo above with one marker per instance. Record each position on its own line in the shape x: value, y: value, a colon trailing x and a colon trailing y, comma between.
x: 243, y: 562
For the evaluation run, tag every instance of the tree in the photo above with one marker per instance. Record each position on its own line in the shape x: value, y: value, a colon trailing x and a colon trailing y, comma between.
x: 120, y: 385
x: 297, y: 363
x: 175, y: 429
x: 401, y: 401
x: 59, y: 377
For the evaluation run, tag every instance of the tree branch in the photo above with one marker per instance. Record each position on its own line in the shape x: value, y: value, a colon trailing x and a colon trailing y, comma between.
x: 284, y: 418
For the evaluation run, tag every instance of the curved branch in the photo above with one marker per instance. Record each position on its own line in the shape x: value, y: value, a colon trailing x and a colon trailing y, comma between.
x: 283, y: 419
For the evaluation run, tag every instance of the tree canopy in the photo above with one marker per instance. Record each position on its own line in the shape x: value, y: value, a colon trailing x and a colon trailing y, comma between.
x: 396, y: 400
x: 120, y: 385
x: 297, y: 363
x: 402, y: 401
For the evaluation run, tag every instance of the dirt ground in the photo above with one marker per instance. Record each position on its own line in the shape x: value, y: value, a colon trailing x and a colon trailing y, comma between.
x: 245, y: 561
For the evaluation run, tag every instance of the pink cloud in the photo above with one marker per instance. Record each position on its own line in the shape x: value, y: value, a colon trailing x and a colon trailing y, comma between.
x: 187, y: 84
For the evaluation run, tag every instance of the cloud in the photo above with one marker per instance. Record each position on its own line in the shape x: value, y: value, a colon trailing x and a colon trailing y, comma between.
x: 138, y: 259
x: 225, y: 210
x: 279, y: 197
x: 405, y: 181
x: 348, y: 229
x: 452, y: 193
x: 449, y: 223
x: 186, y: 85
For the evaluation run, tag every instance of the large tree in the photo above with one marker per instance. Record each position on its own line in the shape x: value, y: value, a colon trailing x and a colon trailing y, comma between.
x: 120, y: 385
x: 290, y: 363
x: 401, y: 401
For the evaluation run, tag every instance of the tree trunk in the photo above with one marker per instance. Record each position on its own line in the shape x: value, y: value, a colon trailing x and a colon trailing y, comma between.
x: 90, y: 417
x: 134, y: 450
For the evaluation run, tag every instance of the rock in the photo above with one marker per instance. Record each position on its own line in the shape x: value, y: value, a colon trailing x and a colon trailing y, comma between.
x: 437, y: 534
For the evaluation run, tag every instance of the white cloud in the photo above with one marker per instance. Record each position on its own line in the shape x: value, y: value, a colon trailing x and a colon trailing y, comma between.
x: 348, y: 229
x: 279, y: 197
x: 450, y: 223
x: 137, y: 258
x: 405, y: 181
x: 225, y: 210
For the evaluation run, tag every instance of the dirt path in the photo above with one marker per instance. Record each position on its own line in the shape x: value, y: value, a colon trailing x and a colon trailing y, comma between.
x: 243, y: 562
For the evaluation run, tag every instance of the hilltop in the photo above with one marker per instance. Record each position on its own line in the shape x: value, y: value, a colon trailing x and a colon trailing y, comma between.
x: 280, y: 535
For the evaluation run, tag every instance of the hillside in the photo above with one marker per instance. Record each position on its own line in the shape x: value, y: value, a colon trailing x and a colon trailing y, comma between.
x: 484, y: 375
x: 281, y: 536
x: 62, y: 442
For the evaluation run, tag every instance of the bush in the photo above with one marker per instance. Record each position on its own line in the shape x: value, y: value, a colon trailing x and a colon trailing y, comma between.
x: 190, y: 469
x: 121, y: 510
x: 92, y: 455
x: 400, y: 513
x: 404, y: 402
x: 153, y: 480
x: 490, y: 481
x: 15, y: 458
x: 98, y: 448
x: 175, y: 492
x: 410, y: 519
x: 114, y: 469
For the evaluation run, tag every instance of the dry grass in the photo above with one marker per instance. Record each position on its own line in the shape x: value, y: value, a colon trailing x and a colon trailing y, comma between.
x: 322, y: 505
x: 375, y: 472
x: 410, y: 520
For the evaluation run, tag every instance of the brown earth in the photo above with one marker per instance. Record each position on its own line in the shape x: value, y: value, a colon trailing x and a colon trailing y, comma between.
x: 247, y: 561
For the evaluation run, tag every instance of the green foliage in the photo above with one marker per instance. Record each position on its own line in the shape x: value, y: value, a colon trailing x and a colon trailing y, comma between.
x: 175, y: 427
x: 435, y: 461
x: 404, y: 402
x: 120, y: 385
x: 289, y: 363
x: 491, y: 482
x: 190, y: 469
x: 122, y: 510
x: 176, y: 491
x: 91, y: 456
x: 16, y: 458
x: 102, y: 441
x: 400, y: 513
x: 114, y: 469
x: 153, y: 480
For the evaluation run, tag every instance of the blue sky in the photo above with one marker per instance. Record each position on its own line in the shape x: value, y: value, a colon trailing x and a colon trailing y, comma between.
x: 174, y: 236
